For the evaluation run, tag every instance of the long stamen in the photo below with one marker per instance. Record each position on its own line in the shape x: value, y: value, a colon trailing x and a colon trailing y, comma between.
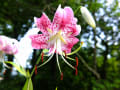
x: 70, y: 58
x: 76, y: 58
x: 67, y: 63
x: 61, y: 78
x: 42, y: 57
x: 65, y: 54
x: 46, y: 61
x: 58, y: 63
x: 35, y: 69
x: 76, y: 71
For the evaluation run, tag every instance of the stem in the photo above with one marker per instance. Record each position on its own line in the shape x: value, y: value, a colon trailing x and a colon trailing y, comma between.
x: 38, y: 60
x: 88, y: 67
x: 75, y: 51
x: 77, y: 10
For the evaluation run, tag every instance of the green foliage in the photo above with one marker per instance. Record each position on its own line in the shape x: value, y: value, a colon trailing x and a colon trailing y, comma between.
x: 18, y: 67
x: 28, y: 84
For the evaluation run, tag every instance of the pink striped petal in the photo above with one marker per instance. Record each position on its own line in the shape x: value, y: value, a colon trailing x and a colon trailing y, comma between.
x: 68, y: 15
x: 43, y: 23
x: 62, y: 17
x: 71, y: 41
x: 58, y: 17
x: 72, y: 28
x: 39, y: 41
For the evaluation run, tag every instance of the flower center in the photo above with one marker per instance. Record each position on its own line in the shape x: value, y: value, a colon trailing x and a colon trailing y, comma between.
x: 56, y: 39
x: 56, y: 36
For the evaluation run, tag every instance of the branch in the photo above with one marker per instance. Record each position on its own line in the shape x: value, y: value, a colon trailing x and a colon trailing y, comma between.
x: 88, y: 67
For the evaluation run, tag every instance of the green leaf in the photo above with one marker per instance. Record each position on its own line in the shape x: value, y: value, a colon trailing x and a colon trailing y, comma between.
x: 28, y: 84
x: 18, y: 67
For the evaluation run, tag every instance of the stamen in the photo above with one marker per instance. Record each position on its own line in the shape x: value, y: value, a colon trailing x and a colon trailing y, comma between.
x: 76, y: 58
x: 71, y: 59
x: 76, y: 71
x: 82, y: 42
x: 46, y: 61
x: 62, y: 39
x: 67, y: 62
x: 58, y: 63
x: 65, y: 54
x: 42, y: 57
x: 35, y: 69
x: 61, y: 77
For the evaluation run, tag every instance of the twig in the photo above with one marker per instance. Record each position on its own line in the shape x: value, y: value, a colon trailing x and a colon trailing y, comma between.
x: 88, y: 67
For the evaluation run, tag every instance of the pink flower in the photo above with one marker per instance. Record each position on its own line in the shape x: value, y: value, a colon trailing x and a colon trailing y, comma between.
x: 57, y: 36
x: 8, y: 45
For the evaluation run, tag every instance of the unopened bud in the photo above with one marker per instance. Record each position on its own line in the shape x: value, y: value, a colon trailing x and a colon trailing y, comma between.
x: 87, y: 16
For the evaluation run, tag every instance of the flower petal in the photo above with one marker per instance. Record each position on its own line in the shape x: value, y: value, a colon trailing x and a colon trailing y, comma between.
x: 39, y: 41
x: 43, y: 23
x: 71, y: 41
x: 68, y: 15
x: 57, y: 20
x: 8, y: 45
x: 72, y: 27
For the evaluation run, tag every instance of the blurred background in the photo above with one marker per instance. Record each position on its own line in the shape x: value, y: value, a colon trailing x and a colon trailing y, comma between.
x: 99, y: 64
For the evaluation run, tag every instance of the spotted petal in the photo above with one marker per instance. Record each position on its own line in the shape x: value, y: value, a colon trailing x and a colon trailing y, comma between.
x: 39, y: 41
x: 43, y: 23
x: 71, y: 41
x: 58, y: 17
x: 67, y: 16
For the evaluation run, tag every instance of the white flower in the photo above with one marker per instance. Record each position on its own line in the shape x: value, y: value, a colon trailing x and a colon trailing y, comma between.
x: 87, y: 16
x: 25, y: 48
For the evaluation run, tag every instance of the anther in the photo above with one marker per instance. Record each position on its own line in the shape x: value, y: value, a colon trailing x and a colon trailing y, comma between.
x: 61, y: 78
x: 82, y: 42
x: 42, y: 56
x: 65, y: 54
x: 76, y: 71
x: 76, y: 58
x: 35, y: 69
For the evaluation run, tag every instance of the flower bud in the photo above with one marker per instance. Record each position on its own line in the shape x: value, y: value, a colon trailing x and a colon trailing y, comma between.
x: 87, y: 16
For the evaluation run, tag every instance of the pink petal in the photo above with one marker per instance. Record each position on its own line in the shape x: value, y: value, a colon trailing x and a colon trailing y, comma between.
x: 68, y: 15
x: 72, y: 28
x: 62, y: 17
x: 58, y: 17
x: 39, y: 41
x: 71, y: 41
x: 43, y: 23
x: 8, y: 45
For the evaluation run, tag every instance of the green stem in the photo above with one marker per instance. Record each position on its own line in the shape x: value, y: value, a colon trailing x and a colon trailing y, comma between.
x: 88, y: 67
x: 76, y: 50
x: 77, y: 10
x: 38, y: 60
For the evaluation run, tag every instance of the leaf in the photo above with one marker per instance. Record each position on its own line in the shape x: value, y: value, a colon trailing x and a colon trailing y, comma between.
x: 19, y: 68
x: 28, y: 84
